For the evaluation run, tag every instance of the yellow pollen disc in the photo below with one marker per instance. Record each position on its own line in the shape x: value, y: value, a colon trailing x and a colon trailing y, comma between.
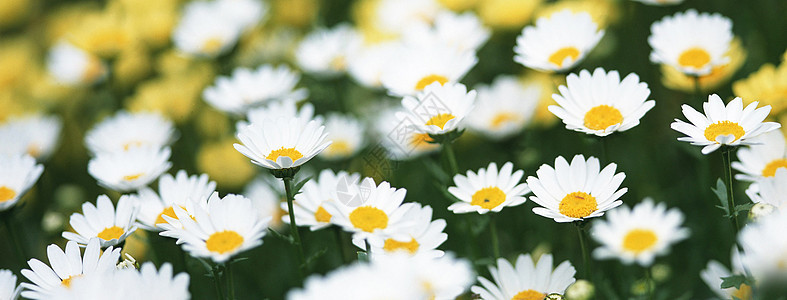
x: 560, y: 55
x: 392, y: 245
x: 338, y: 63
x: 578, y: 205
x: 368, y: 218
x: 111, y: 233
x: 169, y: 211
x: 638, y: 240
x: 67, y: 282
x: 6, y: 193
x: 132, y: 144
x: 743, y: 293
x: 488, y: 197
x: 694, y: 57
x: 429, y: 79
x: 289, y: 152
x: 768, y: 171
x: 132, y: 176
x: 321, y: 215
x: 602, y: 116
x: 224, y: 241
x: 93, y: 70
x: 723, y: 128
x: 503, y: 118
x: 211, y: 45
x: 421, y: 140
x: 529, y: 295
x: 440, y: 120
x: 339, y: 148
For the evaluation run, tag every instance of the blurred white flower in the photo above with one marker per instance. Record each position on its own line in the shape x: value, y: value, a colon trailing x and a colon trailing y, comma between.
x: 125, y: 130
x: 503, y: 108
x: 558, y: 42
x: 691, y: 42
x: 248, y: 88
x: 36, y: 135
x: 325, y: 52
x: 72, y: 66
x: 129, y: 170
x: 18, y: 173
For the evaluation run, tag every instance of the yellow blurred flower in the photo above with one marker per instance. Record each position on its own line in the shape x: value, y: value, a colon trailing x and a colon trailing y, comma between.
x: 13, y: 12
x: 603, y: 12
x: 459, y: 5
x: 10, y: 105
x: 364, y: 13
x: 677, y: 80
x: 151, y: 22
x: 768, y: 86
x: 296, y: 13
x: 507, y: 14
x: 174, y: 96
x: 63, y: 20
x: 136, y: 245
x: 224, y: 164
x: 131, y: 66
x: 16, y: 57
x: 172, y: 62
x: 548, y: 83
x: 212, y: 123
x: 102, y: 33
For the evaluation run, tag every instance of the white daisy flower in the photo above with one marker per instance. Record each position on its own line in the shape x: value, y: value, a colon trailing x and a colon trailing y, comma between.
x: 161, y: 283
x: 691, y: 42
x: 732, y: 125
x: 764, y: 247
x: 228, y: 226
x: 503, y: 108
x: 17, y: 174
x: 770, y: 190
x: 438, y: 109
x: 125, y: 130
x: 558, y: 42
x: 766, y: 155
x: 443, y: 277
x: 282, y: 143
x: 243, y: 13
x: 488, y: 190
x: 181, y: 190
x: 398, y: 138
x: 389, y: 15
x: 367, y: 65
x: 8, y: 288
x: 145, y: 283
x: 325, y: 52
x: 267, y: 196
x: 72, y: 66
x: 346, y: 134
x: 601, y: 103
x: 638, y: 234
x: 112, y: 226
x: 36, y: 135
x: 310, y: 204
x: 286, y: 108
x: 576, y: 192
x: 204, y: 31
x: 660, y: 2
x: 412, y: 68
x: 422, y: 237
x: 714, y: 272
x: 67, y: 268
x: 129, y: 170
x: 526, y: 280
x: 464, y: 31
x: 247, y: 88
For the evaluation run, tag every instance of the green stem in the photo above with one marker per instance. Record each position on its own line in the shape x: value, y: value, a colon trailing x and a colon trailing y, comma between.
x: 493, y: 233
x: 217, y: 280
x: 294, y: 227
x: 649, y: 283
x: 603, y: 151
x: 230, y: 281
x: 726, y: 152
x: 448, y: 151
x: 583, y: 244
x: 698, y: 89
x: 9, y: 226
x: 340, y: 243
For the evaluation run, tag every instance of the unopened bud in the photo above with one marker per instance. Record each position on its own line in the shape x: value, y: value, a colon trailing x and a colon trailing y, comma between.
x: 554, y: 296
x: 760, y: 210
x: 660, y: 272
x: 580, y: 290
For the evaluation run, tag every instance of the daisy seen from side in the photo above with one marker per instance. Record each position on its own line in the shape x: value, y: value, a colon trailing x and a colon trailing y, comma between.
x: 125, y: 130
x: 527, y: 279
x: 503, y: 108
x: 691, y: 42
x: 763, y: 158
x: 558, y: 42
x: 112, y: 225
x: 131, y: 169
x: 180, y: 190
x: 282, y: 143
x: 18, y: 173
x: 438, y: 109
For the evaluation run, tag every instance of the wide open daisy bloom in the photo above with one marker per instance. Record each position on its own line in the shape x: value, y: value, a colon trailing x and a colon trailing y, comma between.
x: 576, y: 191
x: 67, y: 268
x: 421, y: 237
x: 770, y: 190
x: 36, y: 135
x: 412, y: 68
x: 181, y: 190
x: 125, y: 130
x: 525, y: 280
x: 8, y: 288
x: 247, y: 88
x: 17, y: 174
x: 488, y: 190
x: 601, y: 103
x: 730, y: 125
x: 762, y: 159
x: 764, y: 246
x: 73, y: 66
x: 282, y: 143
x: 503, y: 108
x: 639, y: 234
x: 691, y: 42
x: 714, y: 272
x: 463, y: 31
x: 557, y: 43
x: 325, y: 52
x: 346, y: 134
x: 131, y: 169
x: 310, y: 204
x: 226, y: 227
x: 112, y: 226
x: 438, y: 109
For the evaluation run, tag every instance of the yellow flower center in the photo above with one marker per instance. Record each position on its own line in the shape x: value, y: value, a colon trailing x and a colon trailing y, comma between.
x: 638, y: 240
x: 694, y: 57
x: 602, y: 116
x: 723, y: 128
x: 170, y: 212
x: 6, y: 193
x: 421, y: 140
x: 339, y: 148
x: 488, y: 197
x: 440, y: 120
x: 529, y: 295
x: 212, y: 45
x: 429, y: 79
x: 67, y: 282
x: 338, y: 63
x: 743, y: 293
x: 578, y: 205
x: 768, y: 171
x: 392, y: 245
x: 321, y: 215
x: 34, y: 150
x: 224, y: 241
x: 502, y: 118
x: 288, y: 152
x: 111, y: 233
x: 560, y: 55
x: 130, y: 144
x: 132, y: 176
x: 369, y: 218
x: 92, y: 70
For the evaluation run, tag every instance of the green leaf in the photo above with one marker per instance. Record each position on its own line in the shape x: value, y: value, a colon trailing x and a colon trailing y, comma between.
x: 735, y: 281
x: 721, y: 193
x: 436, y: 171
x: 363, y: 256
x: 299, y: 185
x: 316, y: 256
x: 743, y: 208
x: 478, y: 225
x: 443, y: 190
x: 286, y: 238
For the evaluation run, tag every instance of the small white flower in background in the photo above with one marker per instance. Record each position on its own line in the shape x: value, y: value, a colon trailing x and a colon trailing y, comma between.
x: 125, y: 130
x: 763, y: 158
x: 503, y: 108
x: 389, y: 15
x: 244, y: 13
x: 770, y: 190
x: 576, y: 191
x: 691, y: 42
x: 526, y: 279
x: 287, y: 108
x: 266, y: 193
x: 398, y: 139
x: 130, y: 284
x: 764, y: 247
x: 714, y: 272
x: 211, y: 28
x: 444, y: 277
x: 18, y: 173
x: 660, y: 2
x: 72, y: 66
x: 36, y: 135
x: 226, y: 227
x: 247, y: 88
x: 638, y: 234
x: 421, y: 237
x: 129, y: 170
x: 601, y: 103
x: 346, y: 134
x: 8, y: 288
x: 730, y: 125
x: 439, y: 108
x: 67, y: 268
x: 369, y: 63
x: 412, y: 68
x: 112, y: 226
x: 282, y: 143
x: 325, y: 52
x: 488, y: 190
x: 181, y: 190
x: 309, y: 205
x: 558, y: 42
x: 464, y: 31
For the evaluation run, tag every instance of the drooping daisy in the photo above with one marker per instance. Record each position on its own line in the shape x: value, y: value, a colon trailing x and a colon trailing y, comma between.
x: 412, y: 68
x: 764, y: 248
x: 227, y: 226
x: 125, y: 130
x: 346, y: 134
x: 72, y: 66
x: 488, y: 190
x: 464, y: 31
x: 66, y: 268
x: 36, y: 135
x: 762, y: 159
x: 638, y: 234
x: 732, y: 125
x: 770, y: 190
x: 421, y: 237
x: 131, y: 169
x: 287, y: 108
x: 691, y: 42
x: 310, y: 205
x: 267, y: 196
x: 438, y: 109
x: 557, y: 43
x: 112, y: 226
x: 247, y: 88
x: 8, y: 288
x: 601, y: 103
x: 525, y: 280
x: 282, y: 143
x: 576, y: 191
x: 503, y: 108
x: 325, y: 51
x: 181, y: 190
x: 17, y: 174
x: 714, y: 272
